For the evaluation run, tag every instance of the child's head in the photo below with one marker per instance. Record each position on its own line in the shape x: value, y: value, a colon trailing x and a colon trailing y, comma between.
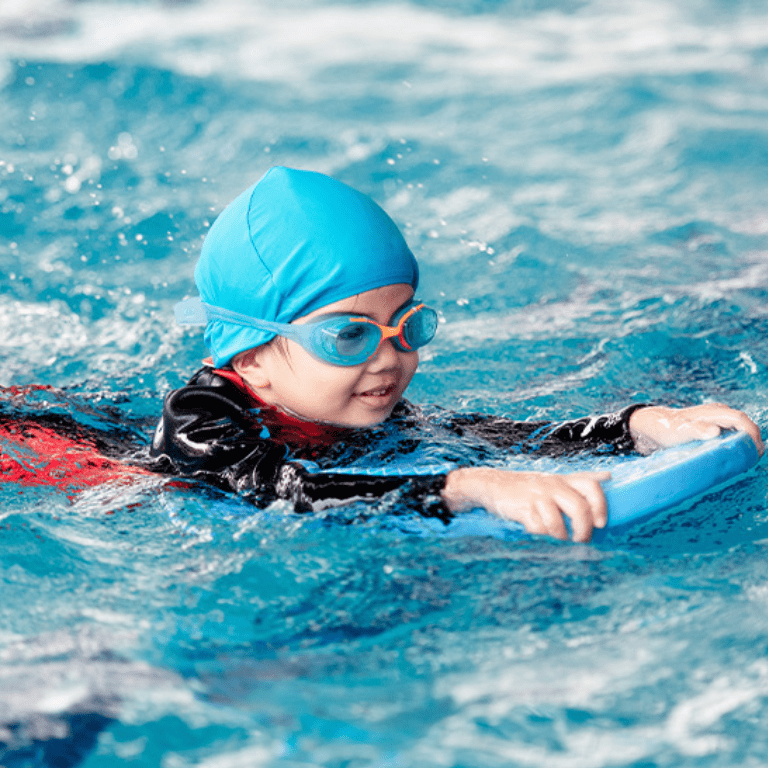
x: 286, y: 375
x: 295, y: 246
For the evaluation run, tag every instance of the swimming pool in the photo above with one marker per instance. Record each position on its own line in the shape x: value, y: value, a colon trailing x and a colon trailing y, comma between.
x: 585, y: 189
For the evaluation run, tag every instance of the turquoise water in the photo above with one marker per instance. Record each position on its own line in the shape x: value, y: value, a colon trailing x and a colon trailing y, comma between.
x: 584, y: 184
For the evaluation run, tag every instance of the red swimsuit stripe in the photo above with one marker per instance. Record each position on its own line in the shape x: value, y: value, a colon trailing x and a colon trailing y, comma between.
x: 33, y: 455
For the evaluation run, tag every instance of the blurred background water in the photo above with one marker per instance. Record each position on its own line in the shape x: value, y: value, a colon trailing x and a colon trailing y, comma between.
x: 584, y: 185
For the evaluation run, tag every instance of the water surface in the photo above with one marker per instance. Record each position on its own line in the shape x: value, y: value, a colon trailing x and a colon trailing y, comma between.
x: 584, y: 185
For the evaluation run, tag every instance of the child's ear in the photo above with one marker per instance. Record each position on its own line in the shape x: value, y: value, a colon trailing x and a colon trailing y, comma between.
x: 248, y: 365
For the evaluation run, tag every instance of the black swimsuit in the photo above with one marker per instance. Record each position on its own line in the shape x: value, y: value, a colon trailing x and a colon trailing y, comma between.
x: 213, y: 430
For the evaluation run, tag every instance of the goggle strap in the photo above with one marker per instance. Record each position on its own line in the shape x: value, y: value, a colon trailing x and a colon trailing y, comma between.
x: 194, y: 311
x: 190, y: 312
x: 219, y: 313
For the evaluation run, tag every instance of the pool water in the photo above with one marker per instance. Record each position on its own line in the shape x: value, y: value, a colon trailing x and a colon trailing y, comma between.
x: 584, y: 185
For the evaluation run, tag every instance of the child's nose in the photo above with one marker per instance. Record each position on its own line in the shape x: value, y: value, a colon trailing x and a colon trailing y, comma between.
x: 385, y: 357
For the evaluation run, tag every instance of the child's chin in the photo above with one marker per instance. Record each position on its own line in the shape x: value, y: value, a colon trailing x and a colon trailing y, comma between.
x: 367, y: 420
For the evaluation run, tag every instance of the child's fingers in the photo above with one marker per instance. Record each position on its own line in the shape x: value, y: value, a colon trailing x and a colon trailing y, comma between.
x: 579, y: 497
x: 661, y: 427
x: 537, y: 500
x: 728, y: 418
x: 548, y: 519
x: 707, y: 421
x: 582, y: 500
x: 588, y: 485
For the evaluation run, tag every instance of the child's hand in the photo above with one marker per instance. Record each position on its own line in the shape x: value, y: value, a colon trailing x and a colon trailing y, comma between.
x: 659, y: 427
x: 536, y: 500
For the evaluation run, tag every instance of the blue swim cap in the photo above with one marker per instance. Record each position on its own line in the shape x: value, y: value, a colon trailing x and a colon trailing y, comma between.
x: 292, y: 243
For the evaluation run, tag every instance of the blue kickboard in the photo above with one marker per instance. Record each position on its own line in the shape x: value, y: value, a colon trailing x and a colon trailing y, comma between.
x: 640, y: 488
x: 637, y: 489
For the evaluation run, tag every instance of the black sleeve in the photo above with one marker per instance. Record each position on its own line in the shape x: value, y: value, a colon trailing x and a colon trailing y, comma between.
x: 609, y: 432
x: 309, y: 491
x: 209, y: 431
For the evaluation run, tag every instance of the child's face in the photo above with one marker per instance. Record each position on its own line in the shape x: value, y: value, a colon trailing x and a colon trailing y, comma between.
x: 356, y: 396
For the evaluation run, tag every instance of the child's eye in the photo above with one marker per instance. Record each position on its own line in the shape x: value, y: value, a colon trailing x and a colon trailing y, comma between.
x: 351, y: 338
x: 352, y: 333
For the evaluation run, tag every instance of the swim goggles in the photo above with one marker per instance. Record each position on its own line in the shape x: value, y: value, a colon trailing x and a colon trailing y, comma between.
x: 338, y: 339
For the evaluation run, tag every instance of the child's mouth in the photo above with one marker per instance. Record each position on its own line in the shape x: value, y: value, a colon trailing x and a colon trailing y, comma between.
x: 379, y: 392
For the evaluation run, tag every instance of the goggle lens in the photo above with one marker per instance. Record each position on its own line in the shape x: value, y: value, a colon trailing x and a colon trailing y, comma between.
x: 354, y: 339
x: 338, y: 341
x: 419, y: 329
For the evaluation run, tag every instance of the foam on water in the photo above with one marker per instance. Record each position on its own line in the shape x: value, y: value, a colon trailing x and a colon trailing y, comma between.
x: 271, y: 42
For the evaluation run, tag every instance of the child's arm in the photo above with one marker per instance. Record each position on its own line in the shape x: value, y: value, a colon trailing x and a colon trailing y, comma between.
x: 657, y: 427
x: 536, y: 500
x: 539, y: 501
x: 609, y: 432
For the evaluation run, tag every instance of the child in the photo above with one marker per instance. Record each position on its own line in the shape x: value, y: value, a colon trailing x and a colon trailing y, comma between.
x: 307, y: 294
